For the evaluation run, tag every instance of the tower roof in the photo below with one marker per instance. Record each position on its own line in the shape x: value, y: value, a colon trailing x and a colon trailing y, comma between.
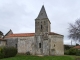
x: 42, y: 13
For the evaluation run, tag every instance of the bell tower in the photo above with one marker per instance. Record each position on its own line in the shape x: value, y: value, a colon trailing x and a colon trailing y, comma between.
x: 42, y: 29
x: 42, y: 23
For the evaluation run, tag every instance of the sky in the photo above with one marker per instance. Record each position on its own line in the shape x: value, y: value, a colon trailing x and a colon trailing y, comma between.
x: 20, y: 15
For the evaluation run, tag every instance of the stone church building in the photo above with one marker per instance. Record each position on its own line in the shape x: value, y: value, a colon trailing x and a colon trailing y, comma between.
x: 42, y: 42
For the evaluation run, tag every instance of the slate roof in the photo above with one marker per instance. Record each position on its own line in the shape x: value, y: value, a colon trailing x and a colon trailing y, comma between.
x: 42, y: 13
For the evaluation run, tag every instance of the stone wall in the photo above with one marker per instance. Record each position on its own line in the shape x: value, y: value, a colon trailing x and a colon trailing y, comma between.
x: 12, y: 42
x: 38, y: 41
x: 2, y: 43
x: 45, y: 23
x: 42, y: 28
x: 23, y: 44
x: 26, y: 44
x: 60, y: 46
x: 52, y: 46
x: 46, y: 47
x: 57, y: 47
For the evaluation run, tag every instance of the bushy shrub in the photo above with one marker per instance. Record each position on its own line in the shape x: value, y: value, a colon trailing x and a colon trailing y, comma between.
x: 72, y: 51
x: 7, y: 52
x: 1, y: 53
x: 10, y: 52
x: 66, y: 52
x: 78, y: 53
x: 67, y: 47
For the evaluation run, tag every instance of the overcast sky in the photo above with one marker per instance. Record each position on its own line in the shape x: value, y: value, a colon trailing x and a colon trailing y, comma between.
x: 20, y: 15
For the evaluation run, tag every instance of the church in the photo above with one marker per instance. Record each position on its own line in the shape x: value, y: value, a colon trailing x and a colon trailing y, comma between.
x: 42, y: 42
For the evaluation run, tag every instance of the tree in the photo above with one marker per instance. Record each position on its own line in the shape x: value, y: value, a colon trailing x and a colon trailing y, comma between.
x: 77, y: 44
x: 74, y: 30
x: 67, y: 47
x: 1, y: 34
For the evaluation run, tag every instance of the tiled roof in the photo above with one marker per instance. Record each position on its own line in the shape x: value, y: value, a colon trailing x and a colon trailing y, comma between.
x: 2, y: 39
x: 27, y: 34
x: 52, y: 33
x: 21, y: 35
x: 77, y: 47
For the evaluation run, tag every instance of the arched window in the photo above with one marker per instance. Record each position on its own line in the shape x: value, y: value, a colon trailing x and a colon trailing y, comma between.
x: 54, y: 45
x: 41, y: 27
x: 16, y: 45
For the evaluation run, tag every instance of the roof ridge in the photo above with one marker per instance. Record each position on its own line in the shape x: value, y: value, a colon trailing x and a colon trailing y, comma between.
x: 55, y: 33
x: 23, y: 33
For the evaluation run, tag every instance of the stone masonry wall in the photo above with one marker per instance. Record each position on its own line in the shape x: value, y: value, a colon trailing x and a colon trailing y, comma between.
x: 2, y: 43
x: 12, y: 42
x: 56, y: 46
x: 25, y: 44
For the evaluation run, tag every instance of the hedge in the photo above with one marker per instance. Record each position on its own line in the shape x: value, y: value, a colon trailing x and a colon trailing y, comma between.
x: 72, y: 51
x: 6, y: 52
x: 1, y: 53
x: 78, y: 53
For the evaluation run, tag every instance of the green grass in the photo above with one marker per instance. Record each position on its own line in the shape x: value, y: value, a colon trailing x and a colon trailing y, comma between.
x: 25, y: 57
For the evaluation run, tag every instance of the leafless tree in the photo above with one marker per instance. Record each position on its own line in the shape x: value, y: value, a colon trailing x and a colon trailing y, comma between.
x: 1, y: 34
x: 74, y: 30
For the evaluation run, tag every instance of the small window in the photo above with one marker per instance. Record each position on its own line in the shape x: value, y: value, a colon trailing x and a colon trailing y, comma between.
x: 39, y: 45
x: 54, y: 45
x: 41, y: 27
x: 16, y: 45
x: 0, y: 42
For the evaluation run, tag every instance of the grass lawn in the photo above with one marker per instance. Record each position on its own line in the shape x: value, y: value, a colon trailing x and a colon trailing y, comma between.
x: 25, y: 57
